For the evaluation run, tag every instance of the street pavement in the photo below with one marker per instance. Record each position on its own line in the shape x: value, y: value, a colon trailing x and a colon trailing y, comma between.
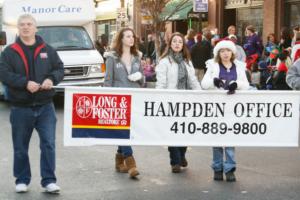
x: 87, y: 173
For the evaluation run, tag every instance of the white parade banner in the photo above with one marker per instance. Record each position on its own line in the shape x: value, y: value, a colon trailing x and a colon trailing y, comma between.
x: 121, y: 116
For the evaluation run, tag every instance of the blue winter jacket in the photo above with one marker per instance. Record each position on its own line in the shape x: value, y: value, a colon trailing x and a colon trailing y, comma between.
x: 253, y: 45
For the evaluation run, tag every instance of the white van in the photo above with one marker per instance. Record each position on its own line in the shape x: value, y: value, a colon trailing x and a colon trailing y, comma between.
x: 66, y: 25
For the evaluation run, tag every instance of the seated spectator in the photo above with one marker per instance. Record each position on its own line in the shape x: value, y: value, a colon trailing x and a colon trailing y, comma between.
x: 279, y: 82
x: 255, y: 75
x: 287, y: 60
x: 266, y: 75
x: 270, y: 45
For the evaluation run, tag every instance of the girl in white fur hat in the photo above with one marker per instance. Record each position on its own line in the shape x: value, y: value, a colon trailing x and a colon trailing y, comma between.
x: 224, y: 72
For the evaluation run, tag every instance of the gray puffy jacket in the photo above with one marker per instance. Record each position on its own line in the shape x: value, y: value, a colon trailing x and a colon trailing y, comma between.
x: 116, y: 72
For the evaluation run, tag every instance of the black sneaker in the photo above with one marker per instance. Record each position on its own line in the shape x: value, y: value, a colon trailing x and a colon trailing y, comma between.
x: 230, y: 177
x: 218, y: 175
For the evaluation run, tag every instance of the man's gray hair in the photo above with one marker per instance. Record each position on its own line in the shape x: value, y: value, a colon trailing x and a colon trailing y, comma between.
x: 26, y: 16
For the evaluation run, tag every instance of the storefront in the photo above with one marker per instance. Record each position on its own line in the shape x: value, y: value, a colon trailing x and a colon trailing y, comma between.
x: 185, y: 18
x: 267, y: 16
x: 243, y: 13
x: 106, y: 16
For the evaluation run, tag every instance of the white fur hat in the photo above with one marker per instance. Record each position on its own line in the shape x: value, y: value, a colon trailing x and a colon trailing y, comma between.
x: 224, y: 44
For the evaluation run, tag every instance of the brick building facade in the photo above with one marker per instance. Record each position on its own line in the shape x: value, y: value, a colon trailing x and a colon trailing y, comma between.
x: 268, y: 16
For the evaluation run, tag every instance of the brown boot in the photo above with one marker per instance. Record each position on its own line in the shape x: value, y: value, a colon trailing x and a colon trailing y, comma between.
x: 120, y: 166
x: 131, y: 166
x: 176, y: 168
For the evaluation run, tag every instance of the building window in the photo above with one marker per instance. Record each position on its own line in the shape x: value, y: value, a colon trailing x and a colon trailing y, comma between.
x: 249, y: 16
x: 292, y: 14
x: 106, y: 27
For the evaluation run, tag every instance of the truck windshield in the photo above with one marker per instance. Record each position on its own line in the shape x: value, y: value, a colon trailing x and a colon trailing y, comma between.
x: 66, y: 38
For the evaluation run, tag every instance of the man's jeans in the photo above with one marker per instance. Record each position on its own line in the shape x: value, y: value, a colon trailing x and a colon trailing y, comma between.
x: 126, y: 151
x: 177, y: 154
x: 23, y: 121
x: 218, y: 163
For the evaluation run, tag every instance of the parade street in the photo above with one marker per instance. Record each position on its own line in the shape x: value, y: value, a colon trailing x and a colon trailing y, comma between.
x: 87, y: 173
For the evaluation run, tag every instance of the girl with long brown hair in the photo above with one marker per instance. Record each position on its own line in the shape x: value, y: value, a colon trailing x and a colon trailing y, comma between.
x: 123, y: 69
x: 175, y: 71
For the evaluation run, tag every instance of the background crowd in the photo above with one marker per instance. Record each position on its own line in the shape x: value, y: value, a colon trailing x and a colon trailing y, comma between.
x: 267, y: 63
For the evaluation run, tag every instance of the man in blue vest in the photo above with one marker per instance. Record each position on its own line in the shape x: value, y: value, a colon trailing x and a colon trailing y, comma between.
x: 29, y: 68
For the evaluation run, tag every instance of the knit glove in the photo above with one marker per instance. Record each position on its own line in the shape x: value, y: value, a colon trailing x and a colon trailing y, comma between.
x: 135, y: 76
x: 218, y: 83
x: 232, y: 87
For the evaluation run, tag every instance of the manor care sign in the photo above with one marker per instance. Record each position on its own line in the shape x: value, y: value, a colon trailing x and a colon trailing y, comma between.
x: 121, y: 116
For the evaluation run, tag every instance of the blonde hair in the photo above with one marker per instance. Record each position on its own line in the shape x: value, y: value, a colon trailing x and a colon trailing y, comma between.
x: 230, y: 28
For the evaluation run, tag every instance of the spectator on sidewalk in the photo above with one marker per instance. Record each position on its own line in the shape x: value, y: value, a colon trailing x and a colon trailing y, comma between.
x: 270, y: 45
x: 102, y: 44
x: 231, y: 30
x: 150, y: 48
x: 255, y: 76
x: 253, y: 46
x: 149, y: 70
x: 285, y: 39
x: 200, y: 53
x: 29, y: 68
x: 141, y: 46
x: 190, y: 38
x: 240, y: 53
x: 296, y: 30
x: 279, y: 76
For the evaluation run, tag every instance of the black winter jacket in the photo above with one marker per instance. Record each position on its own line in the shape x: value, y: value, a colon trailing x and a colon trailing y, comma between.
x: 14, y: 72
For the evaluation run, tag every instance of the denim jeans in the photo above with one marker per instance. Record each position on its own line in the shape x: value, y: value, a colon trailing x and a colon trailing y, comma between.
x: 23, y: 121
x: 218, y: 163
x: 126, y: 151
x: 176, y: 155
